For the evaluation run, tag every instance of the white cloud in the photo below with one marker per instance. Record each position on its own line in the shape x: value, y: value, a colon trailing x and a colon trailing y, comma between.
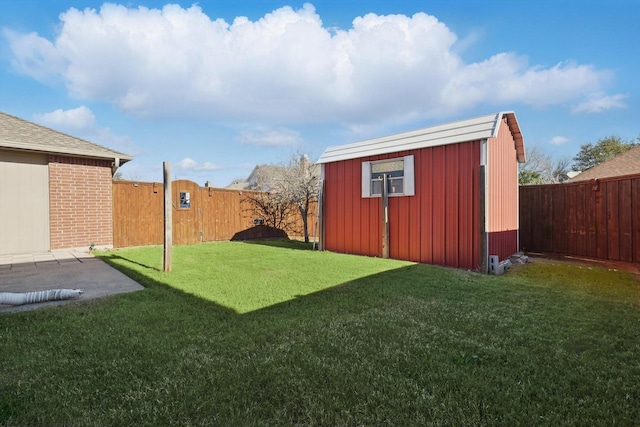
x: 188, y: 164
x: 35, y: 56
x: 81, y: 123
x: 598, y: 102
x: 122, y: 143
x: 470, y: 40
x: 135, y: 171
x: 559, y: 140
x: 507, y: 78
x: 264, y: 136
x: 76, y: 118
x: 285, y: 67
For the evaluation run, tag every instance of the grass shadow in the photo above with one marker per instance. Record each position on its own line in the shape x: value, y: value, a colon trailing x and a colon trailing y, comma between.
x: 415, y: 344
x: 282, y: 243
x: 178, y: 299
x: 110, y: 258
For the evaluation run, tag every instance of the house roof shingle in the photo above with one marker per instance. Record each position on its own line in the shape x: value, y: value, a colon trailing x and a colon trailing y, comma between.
x: 627, y: 163
x: 478, y: 128
x: 266, y: 172
x: 20, y: 134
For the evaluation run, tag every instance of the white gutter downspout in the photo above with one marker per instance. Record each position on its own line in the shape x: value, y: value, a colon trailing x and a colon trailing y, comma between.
x: 484, y: 226
x: 115, y: 165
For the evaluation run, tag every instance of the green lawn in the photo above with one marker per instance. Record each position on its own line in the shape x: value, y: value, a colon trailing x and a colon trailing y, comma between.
x: 276, y: 334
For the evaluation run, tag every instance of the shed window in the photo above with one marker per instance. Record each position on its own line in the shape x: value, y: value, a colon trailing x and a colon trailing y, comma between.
x: 395, y: 177
x: 399, y: 173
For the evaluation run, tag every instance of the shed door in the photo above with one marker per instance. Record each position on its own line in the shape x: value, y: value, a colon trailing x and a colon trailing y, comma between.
x: 24, y: 203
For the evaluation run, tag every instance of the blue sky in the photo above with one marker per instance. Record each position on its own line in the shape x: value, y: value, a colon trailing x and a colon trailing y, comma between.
x: 216, y: 87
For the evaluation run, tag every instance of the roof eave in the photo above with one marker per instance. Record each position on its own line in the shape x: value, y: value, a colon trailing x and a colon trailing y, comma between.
x: 463, y: 131
x: 34, y: 148
x: 514, y: 127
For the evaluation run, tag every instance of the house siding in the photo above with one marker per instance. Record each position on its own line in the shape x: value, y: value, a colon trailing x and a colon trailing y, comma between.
x: 24, y: 209
x: 80, y: 202
x: 439, y: 225
x: 503, y: 195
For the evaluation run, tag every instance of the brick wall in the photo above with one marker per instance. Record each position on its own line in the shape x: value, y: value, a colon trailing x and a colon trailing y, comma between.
x: 80, y: 202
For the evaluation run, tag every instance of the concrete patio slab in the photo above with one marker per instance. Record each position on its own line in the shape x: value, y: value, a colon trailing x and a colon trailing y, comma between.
x: 60, y: 270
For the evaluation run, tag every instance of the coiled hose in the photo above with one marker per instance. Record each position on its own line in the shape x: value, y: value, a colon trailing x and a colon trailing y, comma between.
x: 11, y: 298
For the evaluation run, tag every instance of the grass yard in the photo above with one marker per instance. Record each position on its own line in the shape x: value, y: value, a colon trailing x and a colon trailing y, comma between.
x: 276, y: 334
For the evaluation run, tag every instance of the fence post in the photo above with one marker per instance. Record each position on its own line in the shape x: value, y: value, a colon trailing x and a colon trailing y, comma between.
x: 168, y: 217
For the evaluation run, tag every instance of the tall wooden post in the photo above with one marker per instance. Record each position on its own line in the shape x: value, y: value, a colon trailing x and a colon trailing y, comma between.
x: 385, y: 218
x: 168, y: 217
x: 320, y: 216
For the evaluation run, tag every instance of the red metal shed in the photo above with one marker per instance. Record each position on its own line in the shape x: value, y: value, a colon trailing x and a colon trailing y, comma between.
x: 452, y: 193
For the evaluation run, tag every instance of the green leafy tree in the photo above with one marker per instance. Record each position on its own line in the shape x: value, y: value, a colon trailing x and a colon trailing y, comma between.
x: 527, y: 177
x: 607, y: 148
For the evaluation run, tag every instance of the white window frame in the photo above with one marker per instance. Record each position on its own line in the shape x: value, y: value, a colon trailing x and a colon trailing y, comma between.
x: 408, y: 179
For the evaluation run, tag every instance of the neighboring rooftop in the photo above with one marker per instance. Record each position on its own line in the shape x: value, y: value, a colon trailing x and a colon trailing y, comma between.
x: 264, y: 173
x: 627, y: 163
x: 250, y: 183
x: 478, y: 128
x: 20, y: 134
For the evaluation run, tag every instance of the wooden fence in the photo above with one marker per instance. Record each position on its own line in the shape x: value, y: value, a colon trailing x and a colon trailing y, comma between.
x: 596, y: 219
x: 213, y: 214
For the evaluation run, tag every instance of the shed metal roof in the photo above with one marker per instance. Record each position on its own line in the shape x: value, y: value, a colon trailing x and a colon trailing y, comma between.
x: 474, y: 129
x: 20, y: 134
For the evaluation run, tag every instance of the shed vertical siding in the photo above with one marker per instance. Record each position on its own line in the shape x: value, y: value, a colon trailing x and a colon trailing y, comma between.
x: 503, y: 194
x: 439, y: 225
x: 425, y: 192
x: 452, y: 205
x: 437, y: 181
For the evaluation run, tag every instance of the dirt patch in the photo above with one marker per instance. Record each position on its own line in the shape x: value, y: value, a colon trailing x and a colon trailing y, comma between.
x: 630, y: 267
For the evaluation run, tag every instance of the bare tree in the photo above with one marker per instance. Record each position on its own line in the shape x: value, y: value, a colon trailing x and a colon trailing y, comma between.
x: 271, y: 209
x: 299, y: 184
x: 541, y: 168
x: 285, y: 188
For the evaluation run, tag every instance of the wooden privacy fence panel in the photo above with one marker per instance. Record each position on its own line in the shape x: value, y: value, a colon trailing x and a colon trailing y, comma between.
x: 596, y: 219
x: 213, y: 214
x: 224, y: 214
x: 138, y: 212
